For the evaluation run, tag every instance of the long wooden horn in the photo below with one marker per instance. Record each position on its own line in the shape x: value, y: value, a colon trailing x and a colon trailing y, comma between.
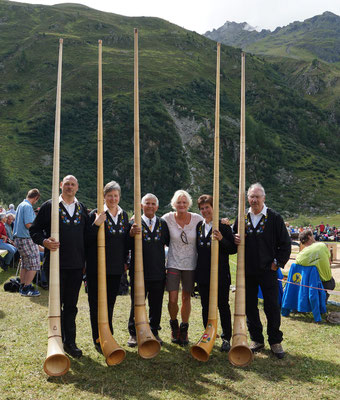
x: 201, y: 351
x: 112, y: 352
x: 148, y: 346
x: 240, y: 354
x: 56, y: 362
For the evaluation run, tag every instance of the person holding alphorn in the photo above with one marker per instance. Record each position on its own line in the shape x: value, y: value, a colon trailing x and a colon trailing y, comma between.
x: 155, y: 235
x: 267, y: 248
x: 202, y: 274
x: 116, y: 249
x: 73, y: 223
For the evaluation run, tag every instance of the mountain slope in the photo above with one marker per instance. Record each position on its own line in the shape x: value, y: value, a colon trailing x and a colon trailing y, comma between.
x: 316, y: 37
x: 292, y: 145
x: 236, y: 34
x: 306, y: 54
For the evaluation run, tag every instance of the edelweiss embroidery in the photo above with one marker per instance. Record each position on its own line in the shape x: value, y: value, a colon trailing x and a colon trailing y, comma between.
x: 120, y: 227
x: 66, y: 220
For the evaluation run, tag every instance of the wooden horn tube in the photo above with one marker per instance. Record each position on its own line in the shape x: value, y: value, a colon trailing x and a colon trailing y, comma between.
x: 148, y: 346
x: 56, y: 362
x: 201, y: 351
x: 112, y: 352
x: 240, y: 354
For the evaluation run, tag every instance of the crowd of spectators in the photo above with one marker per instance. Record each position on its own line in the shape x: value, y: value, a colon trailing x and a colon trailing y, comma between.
x: 322, y: 232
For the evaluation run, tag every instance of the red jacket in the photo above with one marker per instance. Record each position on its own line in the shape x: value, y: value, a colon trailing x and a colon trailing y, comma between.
x: 3, y: 232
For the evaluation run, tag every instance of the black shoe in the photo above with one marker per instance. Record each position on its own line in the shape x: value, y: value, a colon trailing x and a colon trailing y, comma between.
x: 98, y: 348
x: 225, y: 346
x: 73, y: 350
x: 174, y: 331
x: 183, y: 334
x: 159, y: 340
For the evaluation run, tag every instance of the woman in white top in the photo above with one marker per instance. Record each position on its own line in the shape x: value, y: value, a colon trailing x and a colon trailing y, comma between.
x: 182, y: 258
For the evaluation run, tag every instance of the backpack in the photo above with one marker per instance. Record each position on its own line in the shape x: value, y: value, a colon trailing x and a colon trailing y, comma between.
x: 13, y: 285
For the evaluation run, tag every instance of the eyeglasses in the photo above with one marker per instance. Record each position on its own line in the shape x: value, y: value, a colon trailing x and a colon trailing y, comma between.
x: 184, y: 238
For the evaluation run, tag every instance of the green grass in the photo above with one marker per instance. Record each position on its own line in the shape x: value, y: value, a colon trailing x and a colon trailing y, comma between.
x: 309, y: 371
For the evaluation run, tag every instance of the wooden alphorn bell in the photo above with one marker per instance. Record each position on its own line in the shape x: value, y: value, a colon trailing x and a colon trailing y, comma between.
x: 201, y: 351
x: 148, y: 346
x: 112, y: 352
x: 240, y: 354
x: 56, y: 362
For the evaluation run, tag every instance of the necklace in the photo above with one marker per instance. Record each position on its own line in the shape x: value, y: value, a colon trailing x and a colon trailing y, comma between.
x: 184, y: 220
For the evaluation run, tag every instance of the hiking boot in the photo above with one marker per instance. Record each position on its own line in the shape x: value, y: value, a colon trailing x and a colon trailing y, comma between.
x: 174, y: 331
x: 132, y: 342
x: 183, y: 334
x: 255, y: 346
x: 225, y: 346
x: 277, y: 350
x: 72, y: 350
x: 159, y: 340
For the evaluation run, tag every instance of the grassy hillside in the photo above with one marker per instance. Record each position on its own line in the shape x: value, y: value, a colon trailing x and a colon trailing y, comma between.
x: 307, y: 54
x: 317, y: 37
x: 292, y: 145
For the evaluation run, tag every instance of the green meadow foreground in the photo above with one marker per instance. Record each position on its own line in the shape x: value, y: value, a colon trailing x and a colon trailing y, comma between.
x: 310, y: 370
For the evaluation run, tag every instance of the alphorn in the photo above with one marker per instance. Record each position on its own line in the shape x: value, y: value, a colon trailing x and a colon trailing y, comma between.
x: 56, y: 362
x: 201, y: 351
x: 148, y: 346
x: 240, y: 354
x: 112, y: 352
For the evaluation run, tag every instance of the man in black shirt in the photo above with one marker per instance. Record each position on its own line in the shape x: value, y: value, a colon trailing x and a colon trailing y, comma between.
x: 155, y: 234
x: 73, y: 222
x: 267, y: 248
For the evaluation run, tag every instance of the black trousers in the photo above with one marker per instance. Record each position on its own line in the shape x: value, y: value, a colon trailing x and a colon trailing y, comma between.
x: 112, y: 286
x: 154, y: 291
x: 223, y: 306
x: 328, y: 285
x: 70, y: 283
x: 270, y: 290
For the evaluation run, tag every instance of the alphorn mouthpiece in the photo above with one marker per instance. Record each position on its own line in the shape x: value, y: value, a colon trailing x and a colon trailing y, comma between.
x: 100, y: 41
x: 61, y: 41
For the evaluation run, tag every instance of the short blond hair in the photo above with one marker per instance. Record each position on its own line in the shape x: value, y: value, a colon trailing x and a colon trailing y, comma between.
x: 177, y: 195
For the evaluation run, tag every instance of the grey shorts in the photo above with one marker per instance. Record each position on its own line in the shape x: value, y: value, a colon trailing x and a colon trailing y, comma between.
x: 175, y: 276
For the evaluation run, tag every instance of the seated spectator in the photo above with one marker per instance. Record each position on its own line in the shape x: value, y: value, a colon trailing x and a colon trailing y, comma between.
x: 5, y: 243
x: 316, y: 254
x: 11, y: 209
x: 9, y: 226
